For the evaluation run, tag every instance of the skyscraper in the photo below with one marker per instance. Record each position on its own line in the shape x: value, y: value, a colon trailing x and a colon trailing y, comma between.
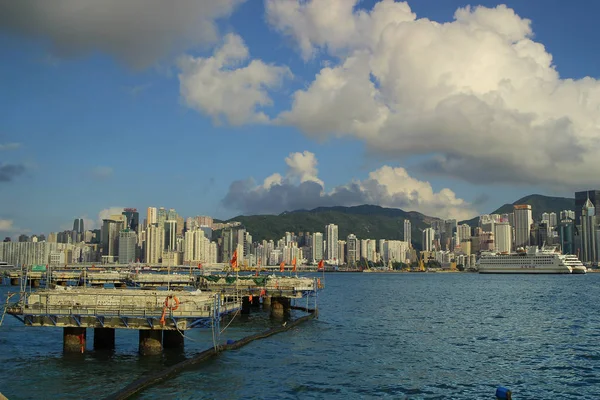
x: 171, y: 235
x: 566, y: 236
x: 78, y: 225
x: 588, y: 232
x: 127, y: 244
x: 523, y: 221
x: 151, y: 216
x: 155, y: 243
x: 317, y: 246
x: 503, y: 236
x: 133, y: 218
x: 428, y: 237
x: 331, y: 231
x: 110, y: 237
x: 352, y: 248
x: 408, y: 232
x: 581, y: 200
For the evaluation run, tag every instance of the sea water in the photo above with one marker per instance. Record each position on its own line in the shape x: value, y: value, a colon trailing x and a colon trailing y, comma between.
x: 400, y: 336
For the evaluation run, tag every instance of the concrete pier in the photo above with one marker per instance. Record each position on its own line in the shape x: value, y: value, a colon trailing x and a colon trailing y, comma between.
x: 172, y: 340
x: 74, y: 340
x: 280, y: 307
x: 150, y: 342
x: 104, y: 338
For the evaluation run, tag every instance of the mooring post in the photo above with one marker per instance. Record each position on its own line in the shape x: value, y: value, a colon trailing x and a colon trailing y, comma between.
x: 150, y: 342
x: 74, y: 340
x: 104, y: 338
x: 280, y: 307
x: 172, y: 340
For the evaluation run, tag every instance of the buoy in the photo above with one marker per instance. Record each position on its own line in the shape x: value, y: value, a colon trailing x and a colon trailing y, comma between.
x: 503, y: 393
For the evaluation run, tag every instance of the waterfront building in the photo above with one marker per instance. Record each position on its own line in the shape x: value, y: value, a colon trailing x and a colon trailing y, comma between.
x: 317, y: 247
x: 588, y: 233
x: 428, y: 238
x: 352, y: 249
x: 503, y: 237
x: 581, y: 199
x: 408, y: 232
x: 341, y: 251
x: 523, y: 221
x: 566, y: 236
x: 331, y: 238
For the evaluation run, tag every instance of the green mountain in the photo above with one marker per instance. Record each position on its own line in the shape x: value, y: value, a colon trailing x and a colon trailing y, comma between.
x: 366, y: 222
x: 539, y: 204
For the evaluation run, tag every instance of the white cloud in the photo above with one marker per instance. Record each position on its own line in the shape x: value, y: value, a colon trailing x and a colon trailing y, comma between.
x: 102, y: 172
x: 138, y: 32
x: 6, y: 225
x: 220, y: 86
x: 104, y: 214
x: 476, y: 96
x: 9, y: 146
x: 386, y: 186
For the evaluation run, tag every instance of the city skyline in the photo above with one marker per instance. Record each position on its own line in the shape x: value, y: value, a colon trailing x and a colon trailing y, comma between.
x: 95, y: 125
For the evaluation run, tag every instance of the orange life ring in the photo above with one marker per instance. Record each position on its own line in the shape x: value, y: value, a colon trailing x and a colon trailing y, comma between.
x: 172, y: 307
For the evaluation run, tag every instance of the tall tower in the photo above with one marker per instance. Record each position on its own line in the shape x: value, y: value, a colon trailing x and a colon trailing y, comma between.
x: 332, y: 241
x: 408, y: 232
x: 581, y: 199
x: 171, y: 235
x: 317, y: 246
x: 352, y: 248
x: 502, y: 233
x: 428, y: 237
x: 78, y: 225
x: 151, y: 217
x: 155, y: 243
x: 523, y: 221
x: 127, y: 244
x: 588, y: 232
x: 133, y: 218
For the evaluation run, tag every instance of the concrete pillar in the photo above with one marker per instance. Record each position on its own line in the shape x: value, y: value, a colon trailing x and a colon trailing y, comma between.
x: 150, y: 342
x: 245, y: 305
x: 280, y: 307
x: 74, y: 340
x: 14, y: 281
x: 104, y: 338
x: 266, y: 302
x: 172, y: 340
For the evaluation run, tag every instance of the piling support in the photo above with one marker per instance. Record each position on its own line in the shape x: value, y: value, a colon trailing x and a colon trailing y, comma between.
x: 245, y: 305
x: 150, y: 342
x: 104, y: 338
x: 266, y: 302
x: 280, y: 307
x: 172, y: 340
x: 74, y: 340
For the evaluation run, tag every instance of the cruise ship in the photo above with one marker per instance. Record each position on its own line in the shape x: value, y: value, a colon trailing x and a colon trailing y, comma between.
x: 530, y: 261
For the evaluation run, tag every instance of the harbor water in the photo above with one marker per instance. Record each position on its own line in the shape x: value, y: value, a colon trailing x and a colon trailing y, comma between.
x: 400, y: 336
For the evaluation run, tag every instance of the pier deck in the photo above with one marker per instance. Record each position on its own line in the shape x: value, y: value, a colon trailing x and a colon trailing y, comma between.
x: 123, y: 309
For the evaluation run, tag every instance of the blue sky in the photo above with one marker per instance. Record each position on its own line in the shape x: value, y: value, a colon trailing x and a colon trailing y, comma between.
x: 90, y: 129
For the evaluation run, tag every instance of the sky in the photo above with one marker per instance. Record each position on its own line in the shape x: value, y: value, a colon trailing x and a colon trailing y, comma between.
x: 229, y: 107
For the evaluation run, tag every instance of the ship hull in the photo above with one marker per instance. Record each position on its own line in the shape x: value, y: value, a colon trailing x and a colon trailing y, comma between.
x: 531, y: 271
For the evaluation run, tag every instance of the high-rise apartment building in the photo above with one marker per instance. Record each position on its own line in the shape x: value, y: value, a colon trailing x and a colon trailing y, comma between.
x: 464, y: 232
x: 341, y: 250
x: 408, y: 232
x: 155, y: 243
x: 503, y: 237
x: 110, y: 237
x: 161, y: 216
x: 428, y: 238
x: 331, y: 238
x: 523, y: 221
x: 352, y: 249
x: 317, y: 247
x: 170, y: 235
x: 151, y: 216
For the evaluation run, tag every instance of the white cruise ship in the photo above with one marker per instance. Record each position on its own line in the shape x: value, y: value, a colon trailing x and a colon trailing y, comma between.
x: 532, y: 261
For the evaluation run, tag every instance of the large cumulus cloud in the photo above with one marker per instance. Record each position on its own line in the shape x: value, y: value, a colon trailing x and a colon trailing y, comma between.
x: 138, y: 32
x: 222, y: 87
x: 300, y: 188
x: 476, y: 98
